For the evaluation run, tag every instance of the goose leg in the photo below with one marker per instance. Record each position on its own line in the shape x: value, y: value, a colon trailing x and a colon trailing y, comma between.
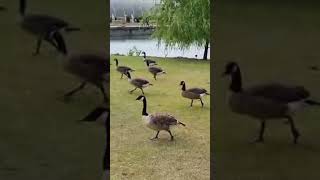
x: 39, y: 42
x: 50, y: 39
x: 201, y: 102
x: 155, y: 77
x: 191, y: 102
x: 82, y: 85
x: 121, y: 76
x: 103, y: 92
x: 156, y: 137
x: 294, y: 130
x: 170, y: 134
x: 261, y: 132
x: 142, y: 90
x: 132, y: 90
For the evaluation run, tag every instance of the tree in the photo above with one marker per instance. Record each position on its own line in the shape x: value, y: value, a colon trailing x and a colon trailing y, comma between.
x: 183, y: 23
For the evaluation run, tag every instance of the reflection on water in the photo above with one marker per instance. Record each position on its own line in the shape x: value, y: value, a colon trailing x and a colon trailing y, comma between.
x: 150, y: 46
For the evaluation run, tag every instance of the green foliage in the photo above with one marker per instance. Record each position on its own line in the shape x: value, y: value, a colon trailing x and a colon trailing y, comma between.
x: 134, y: 51
x: 182, y: 22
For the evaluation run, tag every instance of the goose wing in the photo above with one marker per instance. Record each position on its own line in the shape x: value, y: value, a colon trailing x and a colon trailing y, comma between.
x: 197, y: 90
x: 163, y: 120
x: 124, y: 68
x: 279, y: 92
x: 155, y: 69
x: 42, y: 23
x: 257, y: 106
x: 140, y: 81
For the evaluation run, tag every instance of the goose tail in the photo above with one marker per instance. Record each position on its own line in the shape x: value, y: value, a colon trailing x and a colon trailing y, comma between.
x: 312, y: 102
x: 71, y: 29
x: 181, y: 123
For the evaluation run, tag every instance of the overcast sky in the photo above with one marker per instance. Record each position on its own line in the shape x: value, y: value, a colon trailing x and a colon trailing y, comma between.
x: 117, y: 6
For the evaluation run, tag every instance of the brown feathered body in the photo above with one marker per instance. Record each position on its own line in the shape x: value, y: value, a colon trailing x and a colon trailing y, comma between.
x: 160, y: 121
x: 139, y: 82
x: 194, y: 93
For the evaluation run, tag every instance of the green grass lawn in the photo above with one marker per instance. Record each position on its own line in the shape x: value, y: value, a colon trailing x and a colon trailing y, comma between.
x: 134, y: 155
x: 39, y: 138
x: 274, y: 43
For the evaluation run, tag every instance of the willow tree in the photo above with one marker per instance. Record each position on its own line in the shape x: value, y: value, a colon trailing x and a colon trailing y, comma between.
x: 183, y: 23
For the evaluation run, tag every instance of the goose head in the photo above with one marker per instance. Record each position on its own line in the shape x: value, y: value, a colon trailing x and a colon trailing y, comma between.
x: 144, y: 54
x: 232, y: 70
x: 183, y: 84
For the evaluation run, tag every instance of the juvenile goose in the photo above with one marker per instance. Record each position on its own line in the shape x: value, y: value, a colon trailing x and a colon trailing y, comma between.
x: 158, y: 121
x: 89, y: 68
x: 43, y: 26
x: 269, y: 101
x: 155, y: 70
x: 138, y: 83
x: 104, y: 113
x: 122, y: 69
x: 151, y: 62
x: 193, y: 93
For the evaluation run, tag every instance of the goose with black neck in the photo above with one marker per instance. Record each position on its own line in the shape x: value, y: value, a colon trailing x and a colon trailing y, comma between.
x: 267, y: 101
x: 158, y: 121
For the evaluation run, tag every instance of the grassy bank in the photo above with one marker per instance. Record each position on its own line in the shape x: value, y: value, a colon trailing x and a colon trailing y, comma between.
x: 134, y: 156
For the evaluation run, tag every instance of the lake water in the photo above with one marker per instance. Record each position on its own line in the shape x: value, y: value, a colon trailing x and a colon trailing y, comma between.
x: 150, y: 46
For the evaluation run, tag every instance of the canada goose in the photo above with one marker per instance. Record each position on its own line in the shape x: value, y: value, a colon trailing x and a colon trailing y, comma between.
x: 138, y: 83
x: 94, y: 115
x: 158, y: 121
x: 155, y: 70
x: 193, y: 93
x: 151, y: 62
x: 90, y: 68
x: 43, y: 26
x: 122, y: 69
x: 269, y: 101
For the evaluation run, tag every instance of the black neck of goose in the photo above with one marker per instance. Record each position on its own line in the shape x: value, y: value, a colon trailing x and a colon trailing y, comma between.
x: 147, y: 63
x: 22, y: 7
x: 236, y: 81
x: 183, y: 87
x: 144, y: 55
x: 144, y: 110
x: 117, y: 62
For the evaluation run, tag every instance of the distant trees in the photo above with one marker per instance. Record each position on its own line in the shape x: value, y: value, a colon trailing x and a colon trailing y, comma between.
x: 183, y: 23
